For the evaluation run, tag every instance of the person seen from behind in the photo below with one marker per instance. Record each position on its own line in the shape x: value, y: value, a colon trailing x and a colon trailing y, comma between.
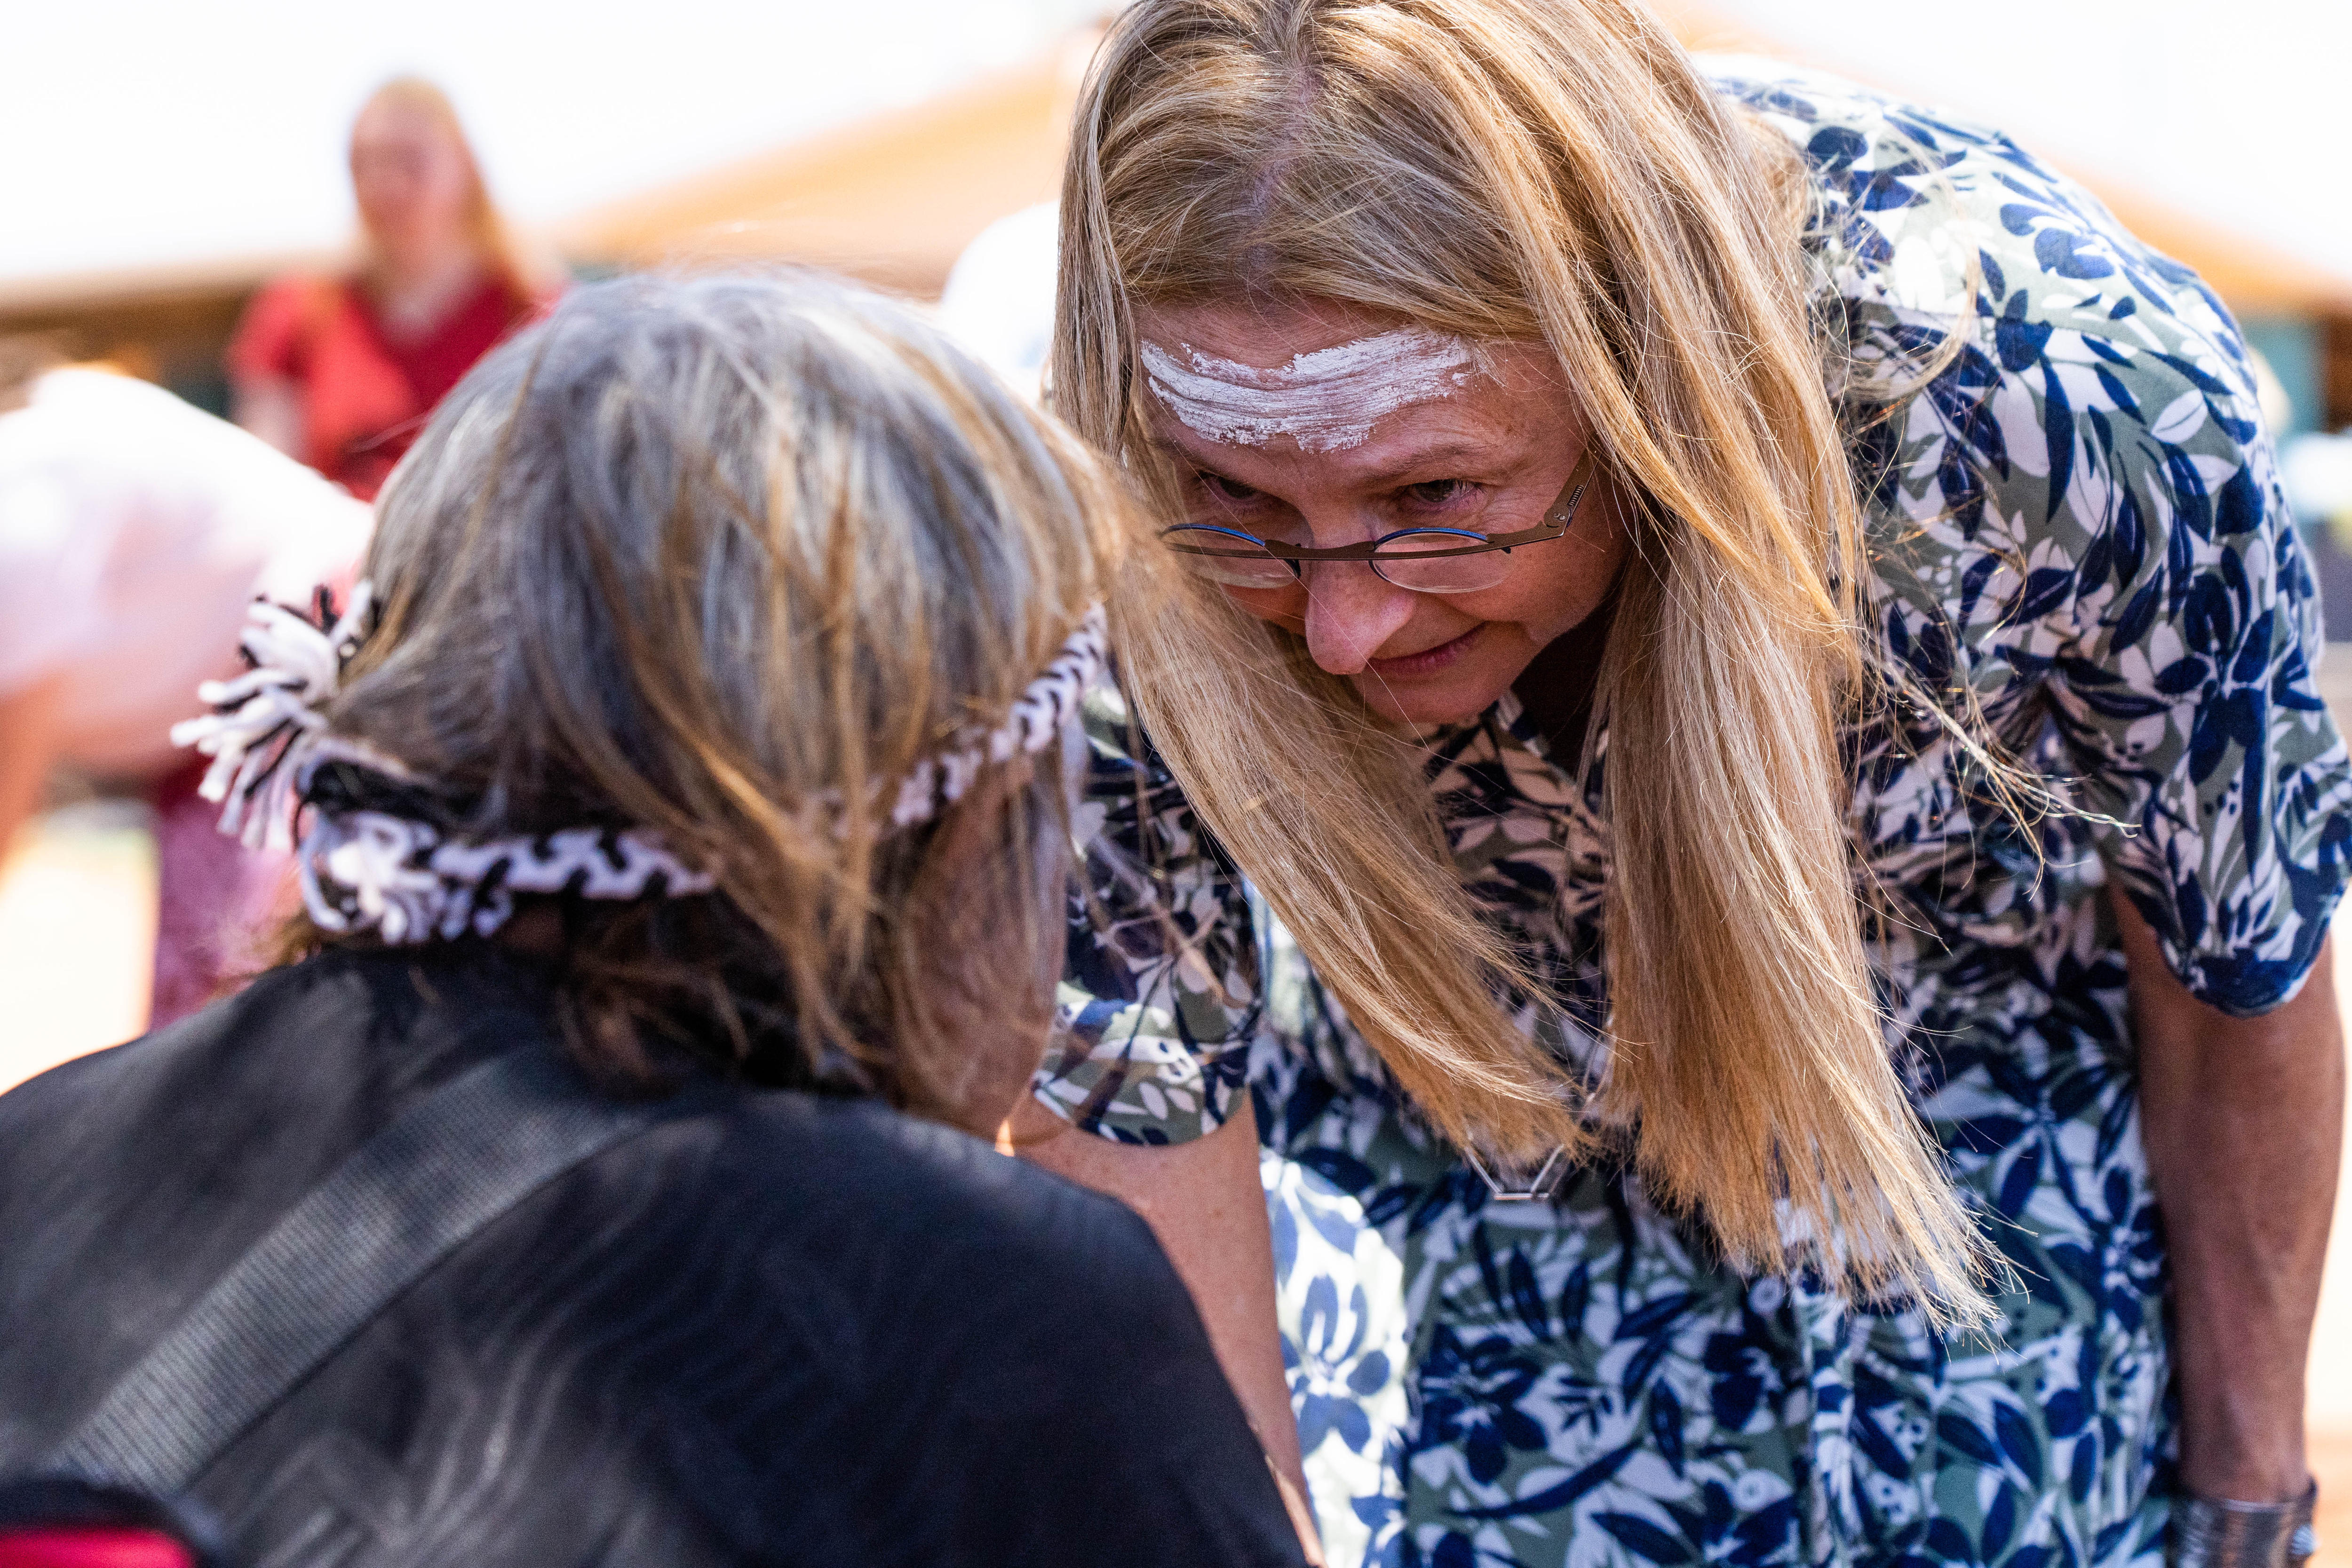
x: 340, y: 370
x: 685, y: 835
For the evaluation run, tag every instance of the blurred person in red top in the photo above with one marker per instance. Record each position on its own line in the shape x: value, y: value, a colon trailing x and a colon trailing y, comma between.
x: 340, y: 372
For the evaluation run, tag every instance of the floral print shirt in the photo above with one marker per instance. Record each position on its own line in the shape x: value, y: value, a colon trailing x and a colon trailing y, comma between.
x: 2077, y: 526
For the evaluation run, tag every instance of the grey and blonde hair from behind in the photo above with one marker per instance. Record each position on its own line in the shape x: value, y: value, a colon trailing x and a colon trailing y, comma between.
x: 1552, y: 171
x: 724, y: 559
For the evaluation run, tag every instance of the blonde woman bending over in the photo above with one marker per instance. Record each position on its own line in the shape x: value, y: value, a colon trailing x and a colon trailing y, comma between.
x: 1739, y: 808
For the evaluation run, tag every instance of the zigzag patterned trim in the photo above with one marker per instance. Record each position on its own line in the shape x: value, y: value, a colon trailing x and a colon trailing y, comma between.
x: 368, y: 868
x: 408, y: 880
x: 1036, y: 722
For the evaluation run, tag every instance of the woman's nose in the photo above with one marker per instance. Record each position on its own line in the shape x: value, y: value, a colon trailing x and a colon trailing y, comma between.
x: 1351, y: 610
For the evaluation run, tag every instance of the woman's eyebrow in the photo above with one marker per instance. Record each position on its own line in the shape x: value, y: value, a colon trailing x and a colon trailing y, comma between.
x: 1469, y: 453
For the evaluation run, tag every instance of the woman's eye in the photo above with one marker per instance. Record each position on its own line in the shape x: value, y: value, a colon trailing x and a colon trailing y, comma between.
x: 1226, y: 490
x: 1438, y: 492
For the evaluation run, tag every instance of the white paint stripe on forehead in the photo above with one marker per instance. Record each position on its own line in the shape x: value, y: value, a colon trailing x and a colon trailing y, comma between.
x: 1326, y: 400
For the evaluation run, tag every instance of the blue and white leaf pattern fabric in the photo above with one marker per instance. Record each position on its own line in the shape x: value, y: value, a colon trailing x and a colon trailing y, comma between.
x: 2078, y: 532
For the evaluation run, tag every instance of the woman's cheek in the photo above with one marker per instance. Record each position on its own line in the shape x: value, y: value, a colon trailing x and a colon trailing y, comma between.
x: 1284, y: 607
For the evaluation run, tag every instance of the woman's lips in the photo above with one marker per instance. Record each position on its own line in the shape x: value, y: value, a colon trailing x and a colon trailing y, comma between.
x: 1428, y: 661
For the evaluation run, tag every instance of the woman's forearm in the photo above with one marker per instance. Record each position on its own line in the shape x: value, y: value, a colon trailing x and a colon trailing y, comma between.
x: 30, y: 720
x: 2243, y: 1122
x: 1204, y: 1202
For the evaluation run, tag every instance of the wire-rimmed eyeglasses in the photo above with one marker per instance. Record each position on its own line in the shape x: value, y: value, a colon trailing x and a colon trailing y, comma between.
x: 1422, y: 559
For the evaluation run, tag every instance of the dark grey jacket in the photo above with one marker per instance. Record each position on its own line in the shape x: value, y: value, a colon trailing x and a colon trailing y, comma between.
x: 784, y: 1330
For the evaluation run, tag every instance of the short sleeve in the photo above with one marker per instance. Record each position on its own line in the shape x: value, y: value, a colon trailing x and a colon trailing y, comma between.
x: 2080, y: 516
x: 2182, y: 658
x: 1160, y: 997
x: 269, y: 340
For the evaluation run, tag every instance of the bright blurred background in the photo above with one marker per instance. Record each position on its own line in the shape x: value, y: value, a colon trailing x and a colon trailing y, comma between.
x: 159, y: 160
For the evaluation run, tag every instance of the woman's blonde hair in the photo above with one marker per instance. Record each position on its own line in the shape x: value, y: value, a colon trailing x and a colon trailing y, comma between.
x: 527, y: 269
x: 1553, y: 172
x: 726, y: 559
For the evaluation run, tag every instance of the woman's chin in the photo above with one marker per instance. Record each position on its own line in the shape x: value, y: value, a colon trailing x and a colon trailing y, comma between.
x: 1450, y: 697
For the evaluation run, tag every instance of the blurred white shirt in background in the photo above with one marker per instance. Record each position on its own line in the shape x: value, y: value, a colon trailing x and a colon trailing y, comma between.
x: 999, y: 299
x: 134, y: 531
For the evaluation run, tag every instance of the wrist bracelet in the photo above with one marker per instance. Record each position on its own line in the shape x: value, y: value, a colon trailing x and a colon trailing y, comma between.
x: 2219, y: 1532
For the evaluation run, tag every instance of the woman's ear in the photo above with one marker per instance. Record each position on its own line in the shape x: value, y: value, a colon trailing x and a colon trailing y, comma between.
x: 979, y: 949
